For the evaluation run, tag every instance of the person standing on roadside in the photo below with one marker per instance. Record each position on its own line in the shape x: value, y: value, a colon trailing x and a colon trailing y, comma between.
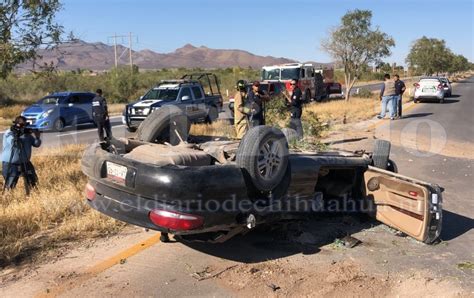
x: 256, y: 103
x: 241, y: 111
x: 100, y: 115
x: 399, y: 90
x: 296, y: 107
x: 388, y: 97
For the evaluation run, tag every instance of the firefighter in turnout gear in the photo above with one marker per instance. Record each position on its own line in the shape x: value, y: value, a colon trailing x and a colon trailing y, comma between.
x: 101, y: 116
x: 241, y: 110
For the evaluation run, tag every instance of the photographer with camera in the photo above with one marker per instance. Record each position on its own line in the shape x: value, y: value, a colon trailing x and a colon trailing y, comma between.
x: 16, y: 154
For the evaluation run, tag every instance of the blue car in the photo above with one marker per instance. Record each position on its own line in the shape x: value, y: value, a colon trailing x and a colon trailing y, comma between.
x: 61, y: 109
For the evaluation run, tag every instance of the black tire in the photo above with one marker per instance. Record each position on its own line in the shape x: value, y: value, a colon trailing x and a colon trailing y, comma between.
x: 392, y: 166
x: 259, y: 166
x: 291, y: 135
x: 131, y: 129
x: 415, y: 100
x: 212, y: 115
x: 381, y: 154
x: 161, y: 126
x: 58, y: 125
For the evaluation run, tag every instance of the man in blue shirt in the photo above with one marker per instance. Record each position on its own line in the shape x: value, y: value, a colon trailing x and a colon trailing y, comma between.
x: 14, y: 161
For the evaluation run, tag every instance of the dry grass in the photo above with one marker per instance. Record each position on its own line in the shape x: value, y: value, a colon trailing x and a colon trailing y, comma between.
x: 55, y: 212
x: 357, y: 109
x: 116, y: 108
x: 217, y: 129
x: 10, y: 112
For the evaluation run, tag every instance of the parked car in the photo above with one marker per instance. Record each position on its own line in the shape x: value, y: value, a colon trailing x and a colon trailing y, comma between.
x: 429, y: 88
x: 188, y: 93
x: 448, y: 89
x: 60, y: 109
x: 214, y: 190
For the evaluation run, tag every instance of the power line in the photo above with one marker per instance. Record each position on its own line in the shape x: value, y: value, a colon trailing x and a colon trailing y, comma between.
x: 122, y: 37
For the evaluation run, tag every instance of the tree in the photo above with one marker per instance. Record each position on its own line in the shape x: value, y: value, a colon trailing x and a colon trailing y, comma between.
x: 355, y: 44
x: 429, y: 56
x: 25, y: 27
x: 458, y: 63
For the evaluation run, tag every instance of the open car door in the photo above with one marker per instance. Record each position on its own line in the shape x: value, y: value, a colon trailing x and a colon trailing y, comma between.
x: 409, y: 205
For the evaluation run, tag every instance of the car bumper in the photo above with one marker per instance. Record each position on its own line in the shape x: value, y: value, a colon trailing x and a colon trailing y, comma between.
x: 135, y: 210
x: 437, y: 95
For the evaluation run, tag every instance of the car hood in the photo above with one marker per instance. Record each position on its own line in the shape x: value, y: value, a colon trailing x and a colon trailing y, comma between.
x: 36, y: 109
x: 147, y: 103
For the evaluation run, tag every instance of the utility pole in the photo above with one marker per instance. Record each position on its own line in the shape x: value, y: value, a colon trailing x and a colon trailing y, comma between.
x: 130, y: 47
x: 115, y: 50
x: 116, y: 58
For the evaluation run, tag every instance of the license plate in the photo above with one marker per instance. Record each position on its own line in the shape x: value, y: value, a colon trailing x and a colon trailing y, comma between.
x: 428, y: 90
x: 116, y: 172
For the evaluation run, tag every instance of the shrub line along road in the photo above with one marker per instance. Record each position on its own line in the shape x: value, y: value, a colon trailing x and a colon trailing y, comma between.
x: 126, y: 268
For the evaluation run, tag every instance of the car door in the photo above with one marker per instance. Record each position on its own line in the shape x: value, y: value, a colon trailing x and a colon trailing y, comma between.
x: 70, y: 111
x: 85, y: 107
x: 411, y: 206
x: 199, y: 102
x: 185, y: 100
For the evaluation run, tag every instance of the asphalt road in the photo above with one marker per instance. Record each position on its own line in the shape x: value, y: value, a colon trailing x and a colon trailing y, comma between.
x: 87, y: 134
x: 441, y: 153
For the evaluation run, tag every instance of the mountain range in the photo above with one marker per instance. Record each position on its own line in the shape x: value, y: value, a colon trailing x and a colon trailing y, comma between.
x: 99, y: 56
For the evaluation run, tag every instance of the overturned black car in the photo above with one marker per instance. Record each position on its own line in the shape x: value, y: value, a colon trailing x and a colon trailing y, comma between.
x: 212, y: 190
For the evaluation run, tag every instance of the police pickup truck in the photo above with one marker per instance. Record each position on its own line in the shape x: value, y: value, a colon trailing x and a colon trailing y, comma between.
x: 197, y: 95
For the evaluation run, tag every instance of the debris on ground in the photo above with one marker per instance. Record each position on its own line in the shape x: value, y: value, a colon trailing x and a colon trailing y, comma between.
x: 466, y: 266
x: 350, y: 241
x: 347, y: 241
x: 274, y: 287
x: 202, y: 274
x: 206, y: 273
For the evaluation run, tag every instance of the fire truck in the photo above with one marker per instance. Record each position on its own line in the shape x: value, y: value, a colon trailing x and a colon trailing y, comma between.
x: 315, y: 84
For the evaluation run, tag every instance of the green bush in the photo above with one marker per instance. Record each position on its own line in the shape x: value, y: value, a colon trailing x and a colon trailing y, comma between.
x: 119, y: 85
x: 364, y: 93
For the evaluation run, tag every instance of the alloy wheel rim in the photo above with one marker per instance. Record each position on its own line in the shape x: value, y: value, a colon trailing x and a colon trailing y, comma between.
x: 269, y: 159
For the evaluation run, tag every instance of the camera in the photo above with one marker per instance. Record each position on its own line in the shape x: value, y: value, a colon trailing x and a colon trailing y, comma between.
x: 22, y: 130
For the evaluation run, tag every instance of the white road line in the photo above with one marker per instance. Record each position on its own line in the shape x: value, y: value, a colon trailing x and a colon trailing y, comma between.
x: 83, y: 131
x: 76, y: 132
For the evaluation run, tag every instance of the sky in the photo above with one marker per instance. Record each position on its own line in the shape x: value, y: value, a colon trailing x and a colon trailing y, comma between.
x: 290, y: 29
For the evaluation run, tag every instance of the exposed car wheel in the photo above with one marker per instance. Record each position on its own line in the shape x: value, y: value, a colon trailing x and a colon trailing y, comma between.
x: 166, y: 124
x: 291, y: 135
x: 381, y: 154
x: 392, y: 166
x: 58, y: 125
x: 263, y: 156
x: 212, y: 115
x: 131, y: 129
x: 415, y: 100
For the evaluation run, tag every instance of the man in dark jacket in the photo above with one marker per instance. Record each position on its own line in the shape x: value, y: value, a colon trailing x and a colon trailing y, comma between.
x: 399, y: 90
x: 101, y: 115
x: 296, y: 107
x: 256, y: 103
